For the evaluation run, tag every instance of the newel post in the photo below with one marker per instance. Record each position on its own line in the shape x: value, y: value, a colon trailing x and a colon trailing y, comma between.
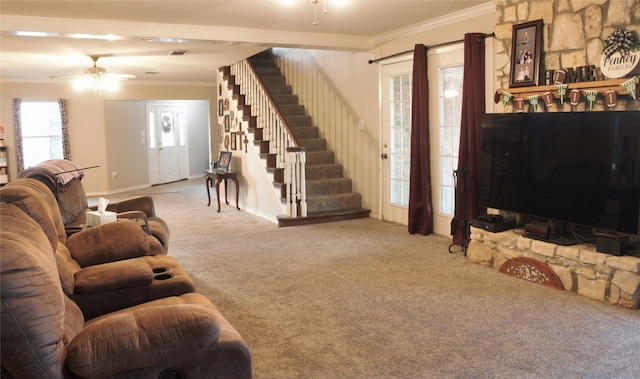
x: 295, y: 182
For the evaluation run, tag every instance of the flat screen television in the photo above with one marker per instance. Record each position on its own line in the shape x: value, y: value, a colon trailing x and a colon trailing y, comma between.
x: 578, y: 168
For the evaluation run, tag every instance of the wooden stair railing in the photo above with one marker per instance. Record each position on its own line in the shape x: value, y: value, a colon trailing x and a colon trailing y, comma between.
x: 284, y: 156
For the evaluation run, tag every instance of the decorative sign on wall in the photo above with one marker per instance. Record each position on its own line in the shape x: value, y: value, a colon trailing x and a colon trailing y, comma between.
x: 571, y: 75
x: 621, y: 54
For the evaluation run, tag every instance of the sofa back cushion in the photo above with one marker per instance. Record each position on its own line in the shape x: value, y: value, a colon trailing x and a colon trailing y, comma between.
x: 73, y: 203
x: 37, y: 201
x: 35, y: 321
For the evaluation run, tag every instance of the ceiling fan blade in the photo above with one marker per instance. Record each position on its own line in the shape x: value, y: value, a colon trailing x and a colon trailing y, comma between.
x: 65, y: 76
x: 121, y: 76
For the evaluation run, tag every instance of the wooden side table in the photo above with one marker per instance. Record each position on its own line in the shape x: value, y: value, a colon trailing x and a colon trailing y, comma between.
x: 219, y: 176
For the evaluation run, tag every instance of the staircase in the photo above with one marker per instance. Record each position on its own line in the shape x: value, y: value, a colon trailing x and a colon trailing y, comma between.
x: 329, y: 194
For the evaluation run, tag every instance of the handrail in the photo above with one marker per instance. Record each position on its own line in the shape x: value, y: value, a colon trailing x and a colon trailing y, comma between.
x: 290, y: 156
x: 272, y: 102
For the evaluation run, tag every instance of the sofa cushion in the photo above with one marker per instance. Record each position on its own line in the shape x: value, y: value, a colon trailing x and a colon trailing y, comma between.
x: 144, y: 335
x: 33, y: 307
x: 110, y: 242
x: 113, y: 276
x: 35, y: 199
x: 67, y: 268
x: 72, y: 202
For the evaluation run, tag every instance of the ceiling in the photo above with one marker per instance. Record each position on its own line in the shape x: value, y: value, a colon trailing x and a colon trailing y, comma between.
x: 40, y: 39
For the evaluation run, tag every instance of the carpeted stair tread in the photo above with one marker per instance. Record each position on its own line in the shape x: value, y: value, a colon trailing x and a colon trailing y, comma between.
x: 328, y: 186
x: 295, y: 121
x: 284, y: 99
x: 314, y: 144
x: 306, y: 132
x: 326, y: 216
x: 291, y: 109
x: 279, y: 90
x: 321, y: 203
x: 320, y: 157
x: 273, y: 80
x: 323, y: 171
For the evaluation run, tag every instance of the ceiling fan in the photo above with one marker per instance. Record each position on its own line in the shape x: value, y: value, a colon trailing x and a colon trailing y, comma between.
x: 96, y: 78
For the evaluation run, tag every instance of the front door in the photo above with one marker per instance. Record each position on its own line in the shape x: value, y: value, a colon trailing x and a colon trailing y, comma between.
x: 168, y: 151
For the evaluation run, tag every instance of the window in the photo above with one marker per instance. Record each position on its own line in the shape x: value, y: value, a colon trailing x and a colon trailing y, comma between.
x: 41, y: 131
x: 450, y: 114
x: 400, y: 125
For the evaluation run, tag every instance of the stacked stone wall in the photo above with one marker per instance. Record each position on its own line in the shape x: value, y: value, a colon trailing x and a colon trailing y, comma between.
x: 573, y: 34
x: 581, y: 269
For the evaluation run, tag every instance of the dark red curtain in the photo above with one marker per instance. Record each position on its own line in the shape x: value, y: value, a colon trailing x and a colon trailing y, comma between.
x: 420, y: 207
x: 473, y: 107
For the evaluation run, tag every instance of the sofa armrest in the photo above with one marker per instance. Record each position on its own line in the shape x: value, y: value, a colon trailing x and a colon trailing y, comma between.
x: 138, y: 216
x: 138, y: 203
x: 108, y: 243
x: 113, y: 276
x: 143, y: 336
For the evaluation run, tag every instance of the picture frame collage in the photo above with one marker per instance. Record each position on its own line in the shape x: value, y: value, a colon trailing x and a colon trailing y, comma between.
x: 229, y: 126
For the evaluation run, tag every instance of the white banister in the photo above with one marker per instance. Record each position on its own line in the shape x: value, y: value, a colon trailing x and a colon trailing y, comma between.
x: 276, y: 131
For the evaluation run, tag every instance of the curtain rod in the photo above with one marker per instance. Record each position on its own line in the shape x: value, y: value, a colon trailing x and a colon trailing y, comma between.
x: 428, y: 47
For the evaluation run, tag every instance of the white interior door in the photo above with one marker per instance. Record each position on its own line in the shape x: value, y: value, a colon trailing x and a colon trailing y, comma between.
x: 396, y: 140
x: 168, y: 149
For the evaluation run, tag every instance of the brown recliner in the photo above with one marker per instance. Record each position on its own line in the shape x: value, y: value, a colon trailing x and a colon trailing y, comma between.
x: 103, y: 268
x: 73, y: 204
x: 44, y: 335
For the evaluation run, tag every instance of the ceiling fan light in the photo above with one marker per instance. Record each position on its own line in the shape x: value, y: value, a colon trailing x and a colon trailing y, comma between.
x: 97, y: 84
x: 84, y: 83
x: 108, y: 84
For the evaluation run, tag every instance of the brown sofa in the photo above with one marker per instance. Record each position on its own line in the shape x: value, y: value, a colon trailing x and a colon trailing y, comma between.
x: 72, y: 200
x: 44, y: 335
x: 103, y: 268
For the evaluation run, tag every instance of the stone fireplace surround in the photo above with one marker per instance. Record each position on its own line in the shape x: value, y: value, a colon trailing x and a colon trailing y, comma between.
x: 573, y: 35
x: 580, y: 268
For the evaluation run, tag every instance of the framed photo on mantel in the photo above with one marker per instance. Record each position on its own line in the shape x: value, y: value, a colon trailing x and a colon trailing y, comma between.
x: 525, y: 54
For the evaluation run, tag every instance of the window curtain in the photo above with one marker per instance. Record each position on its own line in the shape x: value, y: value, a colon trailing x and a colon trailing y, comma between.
x: 17, y: 119
x: 64, y: 121
x: 420, y: 206
x: 473, y: 107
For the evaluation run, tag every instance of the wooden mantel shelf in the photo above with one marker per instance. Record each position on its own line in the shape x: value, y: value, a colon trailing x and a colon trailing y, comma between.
x: 601, y: 86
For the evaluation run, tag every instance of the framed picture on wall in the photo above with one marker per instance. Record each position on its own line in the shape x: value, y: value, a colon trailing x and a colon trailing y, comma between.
x: 227, y: 124
x: 526, y: 40
x: 233, y: 140
x: 220, y: 107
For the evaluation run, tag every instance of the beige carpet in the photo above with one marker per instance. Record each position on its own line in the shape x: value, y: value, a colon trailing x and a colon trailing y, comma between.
x: 364, y: 299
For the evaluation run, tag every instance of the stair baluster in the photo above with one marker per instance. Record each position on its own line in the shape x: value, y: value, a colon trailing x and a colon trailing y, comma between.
x: 278, y: 134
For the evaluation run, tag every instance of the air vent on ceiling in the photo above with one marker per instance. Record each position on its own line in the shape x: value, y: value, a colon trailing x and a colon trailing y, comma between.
x: 178, y: 53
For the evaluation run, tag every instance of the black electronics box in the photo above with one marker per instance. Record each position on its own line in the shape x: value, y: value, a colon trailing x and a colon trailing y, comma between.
x: 494, y: 226
x: 611, y: 245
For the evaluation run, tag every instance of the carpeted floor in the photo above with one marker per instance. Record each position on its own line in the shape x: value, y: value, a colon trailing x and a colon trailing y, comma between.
x: 364, y: 299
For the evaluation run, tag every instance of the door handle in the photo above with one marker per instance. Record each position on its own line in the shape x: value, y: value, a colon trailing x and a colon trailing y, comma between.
x: 384, y: 156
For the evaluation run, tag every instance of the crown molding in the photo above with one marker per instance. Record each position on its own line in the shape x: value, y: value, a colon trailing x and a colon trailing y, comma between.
x: 435, y: 23
x: 124, y: 30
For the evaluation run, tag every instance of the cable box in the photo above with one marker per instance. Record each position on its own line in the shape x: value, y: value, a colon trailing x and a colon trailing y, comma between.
x: 494, y: 226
